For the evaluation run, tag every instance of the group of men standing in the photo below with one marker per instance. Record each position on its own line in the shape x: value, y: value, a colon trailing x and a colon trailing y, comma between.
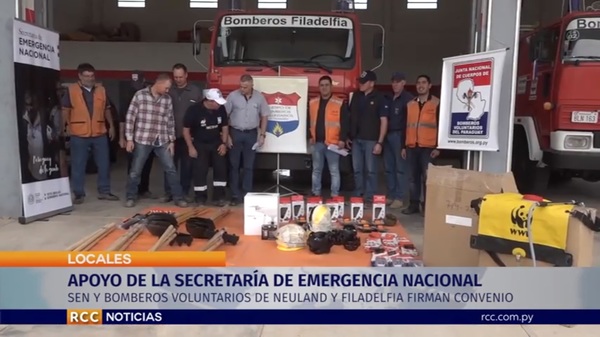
x: 172, y: 121
x: 188, y: 132
x: 400, y: 127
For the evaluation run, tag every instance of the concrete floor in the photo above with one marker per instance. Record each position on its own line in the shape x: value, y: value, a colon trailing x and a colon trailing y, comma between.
x: 60, y: 231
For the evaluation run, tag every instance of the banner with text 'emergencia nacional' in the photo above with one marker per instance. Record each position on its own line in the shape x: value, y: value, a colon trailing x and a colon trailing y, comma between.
x: 44, y: 178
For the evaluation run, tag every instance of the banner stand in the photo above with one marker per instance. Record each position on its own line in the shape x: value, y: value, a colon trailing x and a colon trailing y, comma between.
x: 278, y: 187
x: 291, y: 101
x: 45, y: 216
x: 45, y: 187
x: 469, y: 103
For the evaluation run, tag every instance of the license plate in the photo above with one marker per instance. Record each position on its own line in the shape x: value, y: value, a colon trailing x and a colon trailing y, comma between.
x: 586, y: 117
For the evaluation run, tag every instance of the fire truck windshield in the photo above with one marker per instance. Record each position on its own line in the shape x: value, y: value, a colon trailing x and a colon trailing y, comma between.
x: 325, y: 42
x: 582, y: 39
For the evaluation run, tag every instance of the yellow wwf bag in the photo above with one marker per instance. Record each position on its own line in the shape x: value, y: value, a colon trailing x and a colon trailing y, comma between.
x: 504, y: 228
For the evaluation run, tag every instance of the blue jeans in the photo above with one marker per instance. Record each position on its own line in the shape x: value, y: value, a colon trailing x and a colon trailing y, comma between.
x: 320, y: 153
x: 140, y: 155
x: 364, y: 161
x: 242, y: 154
x: 184, y: 164
x: 417, y: 160
x: 80, y: 150
x: 395, y: 166
x: 146, y: 171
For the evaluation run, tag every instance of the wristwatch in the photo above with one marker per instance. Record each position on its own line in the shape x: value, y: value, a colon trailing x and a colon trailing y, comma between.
x: 263, y: 135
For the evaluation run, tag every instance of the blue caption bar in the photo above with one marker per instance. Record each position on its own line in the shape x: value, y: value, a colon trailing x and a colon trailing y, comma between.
x: 315, y: 317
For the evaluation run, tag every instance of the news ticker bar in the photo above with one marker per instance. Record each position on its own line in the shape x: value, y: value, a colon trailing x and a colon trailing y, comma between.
x: 111, y: 259
x: 296, y: 317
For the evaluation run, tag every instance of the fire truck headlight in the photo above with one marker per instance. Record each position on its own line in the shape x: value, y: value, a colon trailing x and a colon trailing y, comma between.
x: 578, y: 142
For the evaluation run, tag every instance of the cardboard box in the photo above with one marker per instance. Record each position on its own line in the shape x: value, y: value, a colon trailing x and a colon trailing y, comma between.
x: 298, y: 207
x: 285, y: 209
x: 341, y: 206
x: 449, y: 219
x: 311, y: 203
x: 378, y: 207
x: 357, y: 208
x: 580, y: 243
x: 260, y: 209
x: 334, y: 207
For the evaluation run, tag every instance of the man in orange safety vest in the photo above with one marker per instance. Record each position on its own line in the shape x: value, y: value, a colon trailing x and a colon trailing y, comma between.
x: 420, y: 145
x: 328, y: 126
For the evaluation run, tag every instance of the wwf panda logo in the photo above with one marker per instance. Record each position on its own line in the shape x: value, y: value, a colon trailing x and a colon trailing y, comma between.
x: 519, y: 217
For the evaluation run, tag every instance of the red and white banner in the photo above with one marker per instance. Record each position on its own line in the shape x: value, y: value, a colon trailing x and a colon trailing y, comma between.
x: 288, y: 100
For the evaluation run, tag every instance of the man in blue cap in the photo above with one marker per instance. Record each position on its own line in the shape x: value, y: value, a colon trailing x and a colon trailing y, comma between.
x: 395, y: 165
x: 368, y: 126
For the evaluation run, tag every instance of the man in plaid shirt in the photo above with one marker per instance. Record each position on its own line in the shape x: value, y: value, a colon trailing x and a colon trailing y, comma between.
x: 150, y: 127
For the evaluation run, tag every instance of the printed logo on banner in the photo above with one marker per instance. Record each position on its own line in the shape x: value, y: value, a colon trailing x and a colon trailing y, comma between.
x: 471, y: 98
x: 284, y: 113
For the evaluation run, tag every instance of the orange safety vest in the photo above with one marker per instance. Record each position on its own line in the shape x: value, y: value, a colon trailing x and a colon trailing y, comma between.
x: 422, y: 123
x: 333, y: 113
x: 80, y: 123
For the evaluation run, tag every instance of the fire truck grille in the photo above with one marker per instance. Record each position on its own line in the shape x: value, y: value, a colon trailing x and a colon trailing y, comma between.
x: 596, y: 143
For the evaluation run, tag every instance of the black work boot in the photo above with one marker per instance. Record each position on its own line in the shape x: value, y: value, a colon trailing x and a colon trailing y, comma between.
x: 413, y: 208
x: 200, y: 199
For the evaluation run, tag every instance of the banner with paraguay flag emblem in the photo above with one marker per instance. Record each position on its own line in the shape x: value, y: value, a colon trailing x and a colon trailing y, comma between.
x: 284, y: 113
x: 469, y: 101
x: 288, y: 101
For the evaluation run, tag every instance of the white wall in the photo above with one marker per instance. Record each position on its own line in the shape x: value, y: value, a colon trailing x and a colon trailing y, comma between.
x: 416, y: 41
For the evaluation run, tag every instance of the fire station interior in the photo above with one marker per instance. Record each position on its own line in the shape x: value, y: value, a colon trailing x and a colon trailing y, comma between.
x: 119, y: 36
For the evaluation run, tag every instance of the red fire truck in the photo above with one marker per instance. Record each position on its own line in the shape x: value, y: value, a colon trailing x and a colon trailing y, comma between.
x: 284, y: 43
x: 557, y: 134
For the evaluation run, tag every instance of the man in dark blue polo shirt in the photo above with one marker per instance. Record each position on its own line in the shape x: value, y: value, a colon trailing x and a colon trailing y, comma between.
x: 395, y: 165
x: 368, y: 127
x: 205, y: 130
x: 183, y: 95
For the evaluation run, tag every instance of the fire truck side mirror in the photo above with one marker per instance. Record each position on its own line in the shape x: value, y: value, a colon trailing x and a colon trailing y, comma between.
x: 196, y: 43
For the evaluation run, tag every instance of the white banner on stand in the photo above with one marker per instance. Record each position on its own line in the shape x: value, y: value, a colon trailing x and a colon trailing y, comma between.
x: 44, y: 177
x: 288, y: 99
x: 469, y: 101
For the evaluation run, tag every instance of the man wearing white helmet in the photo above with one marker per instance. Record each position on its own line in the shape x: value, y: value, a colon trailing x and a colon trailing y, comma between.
x: 206, y: 130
